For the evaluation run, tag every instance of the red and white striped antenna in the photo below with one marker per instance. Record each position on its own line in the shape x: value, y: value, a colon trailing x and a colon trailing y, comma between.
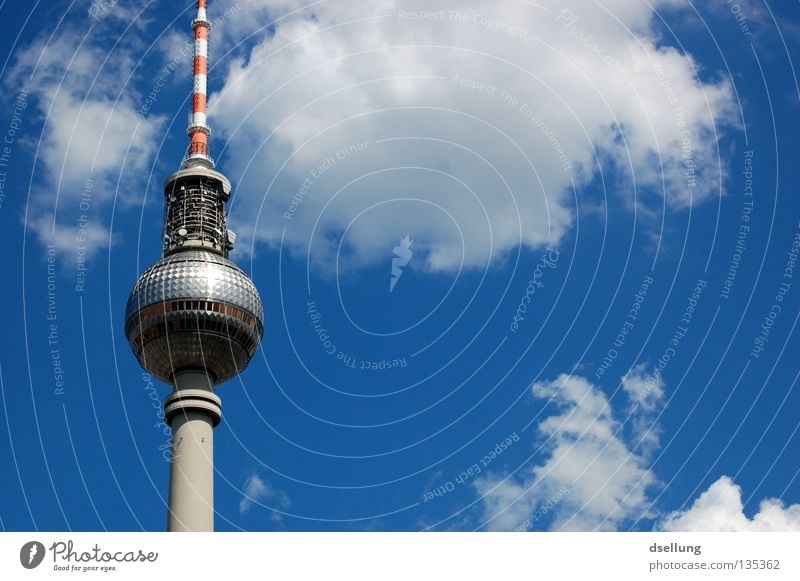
x: 198, y: 153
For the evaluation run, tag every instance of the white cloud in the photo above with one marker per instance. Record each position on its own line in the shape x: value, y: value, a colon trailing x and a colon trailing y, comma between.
x: 592, y: 478
x: 643, y: 389
x: 645, y: 392
x: 575, y: 86
x: 720, y: 509
x: 88, y: 136
x: 593, y: 80
x: 596, y: 475
x: 256, y: 490
x: 92, y: 134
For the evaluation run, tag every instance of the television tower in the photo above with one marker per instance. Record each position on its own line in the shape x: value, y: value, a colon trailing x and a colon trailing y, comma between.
x: 194, y: 319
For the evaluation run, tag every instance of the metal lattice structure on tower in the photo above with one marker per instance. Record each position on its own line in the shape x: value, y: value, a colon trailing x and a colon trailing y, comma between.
x: 194, y: 319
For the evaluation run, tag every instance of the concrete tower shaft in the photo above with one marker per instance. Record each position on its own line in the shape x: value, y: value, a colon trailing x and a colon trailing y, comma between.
x: 192, y: 411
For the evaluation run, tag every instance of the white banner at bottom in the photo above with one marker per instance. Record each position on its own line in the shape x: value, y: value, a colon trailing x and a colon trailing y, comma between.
x: 389, y: 556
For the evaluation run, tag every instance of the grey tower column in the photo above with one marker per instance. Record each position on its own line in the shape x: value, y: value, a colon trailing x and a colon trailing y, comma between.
x: 192, y: 410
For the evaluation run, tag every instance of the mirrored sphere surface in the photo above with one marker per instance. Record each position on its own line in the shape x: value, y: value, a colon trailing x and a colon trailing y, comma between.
x: 194, y: 310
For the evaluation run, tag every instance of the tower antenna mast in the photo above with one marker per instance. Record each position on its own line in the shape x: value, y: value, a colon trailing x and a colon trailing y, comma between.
x: 199, y: 131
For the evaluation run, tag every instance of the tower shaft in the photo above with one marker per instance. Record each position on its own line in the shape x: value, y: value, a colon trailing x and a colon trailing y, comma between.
x: 191, y: 479
x: 192, y: 412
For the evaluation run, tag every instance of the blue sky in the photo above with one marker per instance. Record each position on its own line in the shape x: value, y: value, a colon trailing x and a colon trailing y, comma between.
x: 593, y: 325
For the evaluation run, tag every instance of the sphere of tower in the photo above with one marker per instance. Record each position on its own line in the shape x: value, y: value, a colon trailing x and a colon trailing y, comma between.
x: 194, y: 310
